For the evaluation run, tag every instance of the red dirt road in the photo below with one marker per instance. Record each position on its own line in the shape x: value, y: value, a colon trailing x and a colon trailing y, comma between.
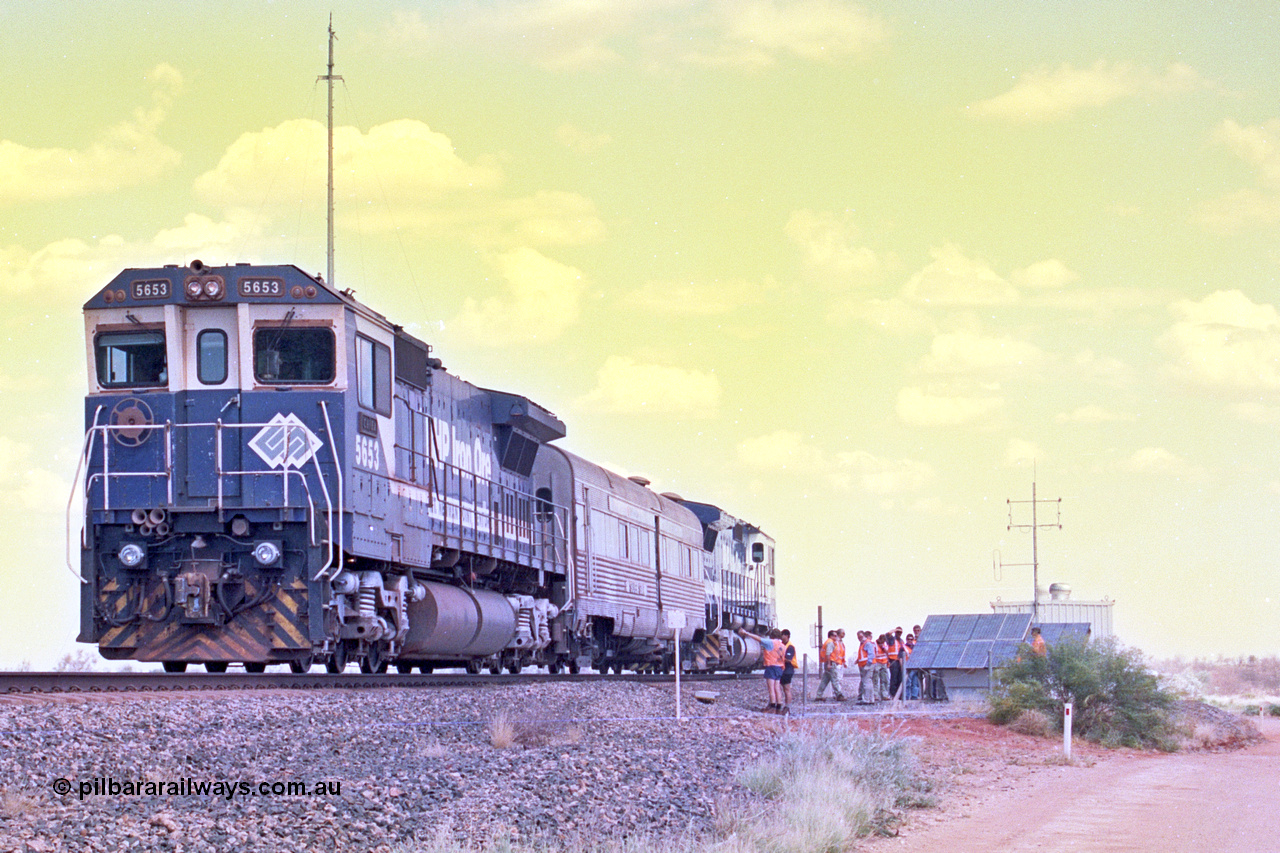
x: 1207, y: 802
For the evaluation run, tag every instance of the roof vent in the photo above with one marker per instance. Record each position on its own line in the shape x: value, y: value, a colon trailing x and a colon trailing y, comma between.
x: 1059, y: 591
x: 639, y: 481
x: 672, y: 496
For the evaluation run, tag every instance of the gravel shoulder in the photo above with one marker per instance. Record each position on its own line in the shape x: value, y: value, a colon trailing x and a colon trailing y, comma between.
x: 527, y: 762
x: 602, y: 760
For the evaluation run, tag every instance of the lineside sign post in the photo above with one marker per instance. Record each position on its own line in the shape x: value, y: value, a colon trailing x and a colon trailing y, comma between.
x: 675, y: 621
x: 1066, y: 730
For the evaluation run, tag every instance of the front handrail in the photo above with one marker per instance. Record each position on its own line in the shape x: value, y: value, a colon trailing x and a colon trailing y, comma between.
x: 77, y: 483
x: 333, y: 559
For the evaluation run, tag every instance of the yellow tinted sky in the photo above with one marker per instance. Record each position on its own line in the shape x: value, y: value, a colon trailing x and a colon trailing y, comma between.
x: 845, y: 270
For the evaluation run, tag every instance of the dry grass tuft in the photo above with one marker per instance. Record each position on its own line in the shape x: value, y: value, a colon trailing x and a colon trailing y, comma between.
x: 505, y: 732
x: 16, y: 804
x: 1032, y: 723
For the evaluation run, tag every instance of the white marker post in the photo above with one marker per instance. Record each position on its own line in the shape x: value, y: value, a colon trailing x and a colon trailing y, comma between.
x: 675, y: 621
x: 1066, y: 730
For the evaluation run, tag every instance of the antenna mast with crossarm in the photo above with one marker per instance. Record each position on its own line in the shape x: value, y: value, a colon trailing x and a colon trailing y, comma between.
x: 1034, y: 527
x: 329, y: 78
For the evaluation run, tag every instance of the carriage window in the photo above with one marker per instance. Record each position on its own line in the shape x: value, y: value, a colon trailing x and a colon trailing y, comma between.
x: 373, y: 375
x: 211, y: 356
x: 131, y: 359
x: 285, y: 355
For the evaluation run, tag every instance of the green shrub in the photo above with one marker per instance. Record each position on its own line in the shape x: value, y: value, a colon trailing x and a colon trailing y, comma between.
x: 1117, y: 701
x: 1273, y: 710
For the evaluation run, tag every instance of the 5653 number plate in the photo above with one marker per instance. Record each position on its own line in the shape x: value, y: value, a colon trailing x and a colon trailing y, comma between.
x: 157, y: 289
x: 261, y: 287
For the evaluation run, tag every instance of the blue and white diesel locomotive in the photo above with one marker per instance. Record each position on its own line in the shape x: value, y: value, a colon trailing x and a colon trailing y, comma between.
x: 274, y: 473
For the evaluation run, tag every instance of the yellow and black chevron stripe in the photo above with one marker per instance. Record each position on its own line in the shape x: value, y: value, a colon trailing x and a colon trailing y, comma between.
x: 706, y: 655
x: 273, y: 630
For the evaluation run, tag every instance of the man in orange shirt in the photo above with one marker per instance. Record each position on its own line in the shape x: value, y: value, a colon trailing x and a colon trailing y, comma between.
x: 774, y: 656
x: 831, y: 669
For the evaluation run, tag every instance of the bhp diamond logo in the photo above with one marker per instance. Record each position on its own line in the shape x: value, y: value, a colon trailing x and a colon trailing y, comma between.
x: 285, y: 439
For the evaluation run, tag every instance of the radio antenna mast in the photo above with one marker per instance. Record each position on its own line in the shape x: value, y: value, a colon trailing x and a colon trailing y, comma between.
x: 329, y: 78
x: 1034, y: 527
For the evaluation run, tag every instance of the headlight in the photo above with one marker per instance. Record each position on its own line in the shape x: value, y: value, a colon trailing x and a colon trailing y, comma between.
x: 266, y: 553
x: 132, y: 555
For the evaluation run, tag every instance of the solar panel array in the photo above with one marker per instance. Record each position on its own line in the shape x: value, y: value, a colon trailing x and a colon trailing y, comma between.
x: 969, y: 641
x: 1055, y: 631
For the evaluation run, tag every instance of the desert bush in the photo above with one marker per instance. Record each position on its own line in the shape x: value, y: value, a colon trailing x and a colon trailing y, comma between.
x: 1117, y: 700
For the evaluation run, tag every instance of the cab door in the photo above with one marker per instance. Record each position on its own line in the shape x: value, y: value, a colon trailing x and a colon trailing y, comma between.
x: 212, y: 394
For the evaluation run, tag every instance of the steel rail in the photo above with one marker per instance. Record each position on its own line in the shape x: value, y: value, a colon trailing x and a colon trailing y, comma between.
x: 131, y: 682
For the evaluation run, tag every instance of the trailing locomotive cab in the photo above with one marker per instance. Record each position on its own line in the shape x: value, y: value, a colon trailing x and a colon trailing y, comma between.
x: 740, y: 588
x: 274, y: 473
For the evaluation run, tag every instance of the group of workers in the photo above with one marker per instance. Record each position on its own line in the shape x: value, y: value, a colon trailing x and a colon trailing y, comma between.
x: 881, y: 662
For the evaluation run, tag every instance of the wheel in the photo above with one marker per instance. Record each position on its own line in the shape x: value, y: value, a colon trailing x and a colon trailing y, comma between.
x: 175, y: 666
x: 514, y: 668
x: 617, y: 668
x: 216, y: 666
x: 301, y: 665
x: 337, y: 661
x: 425, y: 668
x: 574, y: 669
x: 374, y: 660
x: 404, y: 668
x: 553, y: 668
x: 495, y: 668
x: 255, y: 667
x: 473, y: 667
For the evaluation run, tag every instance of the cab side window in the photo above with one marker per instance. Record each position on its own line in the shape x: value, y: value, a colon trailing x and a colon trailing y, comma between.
x: 373, y: 375
x: 285, y: 356
x: 132, y: 359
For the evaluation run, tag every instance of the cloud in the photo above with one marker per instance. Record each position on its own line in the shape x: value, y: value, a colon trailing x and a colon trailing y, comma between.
x: 573, y: 137
x: 1093, y: 414
x: 783, y: 450
x: 1226, y: 341
x: 1259, y: 147
x: 624, y: 386
x: 968, y: 353
x: 919, y: 407
x: 955, y: 279
x: 1020, y: 452
x: 828, y: 245
x: 542, y: 299
x: 1155, y: 460
x: 895, y: 316
x: 786, y: 451
x: 124, y: 155
x: 879, y: 476
x: 413, y: 172
x: 26, y: 486
x: 760, y: 33
x: 572, y: 36
x: 1052, y: 95
x: 1045, y: 275
x: 696, y: 298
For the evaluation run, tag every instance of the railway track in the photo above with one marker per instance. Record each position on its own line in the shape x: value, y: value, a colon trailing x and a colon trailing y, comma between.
x: 133, y: 682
